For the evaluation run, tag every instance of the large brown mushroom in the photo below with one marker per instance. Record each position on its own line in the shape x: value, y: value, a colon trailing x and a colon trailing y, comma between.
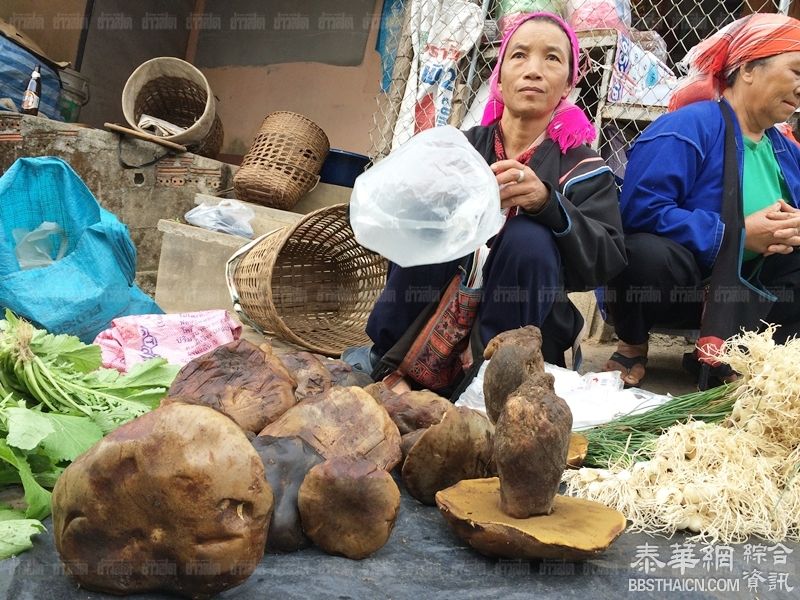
x: 459, y: 447
x: 577, y: 529
x: 348, y: 506
x: 174, y: 501
x: 342, y: 374
x: 415, y: 409
x: 342, y: 422
x: 244, y: 381
x: 308, y: 371
x: 578, y: 448
x: 408, y: 440
x: 286, y: 463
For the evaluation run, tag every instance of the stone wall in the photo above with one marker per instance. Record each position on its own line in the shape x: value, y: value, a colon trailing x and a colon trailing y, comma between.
x: 139, y: 195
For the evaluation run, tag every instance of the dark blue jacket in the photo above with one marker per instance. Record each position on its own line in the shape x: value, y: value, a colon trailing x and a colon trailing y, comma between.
x: 673, y: 180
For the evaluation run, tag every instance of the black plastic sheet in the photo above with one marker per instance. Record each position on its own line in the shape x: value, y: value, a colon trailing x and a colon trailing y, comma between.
x: 424, y: 560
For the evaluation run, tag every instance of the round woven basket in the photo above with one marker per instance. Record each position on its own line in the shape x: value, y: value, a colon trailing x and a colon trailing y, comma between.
x: 171, y: 89
x: 283, y: 163
x: 311, y: 283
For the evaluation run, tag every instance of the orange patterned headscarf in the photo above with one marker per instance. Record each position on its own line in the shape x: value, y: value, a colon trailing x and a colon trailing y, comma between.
x: 755, y: 36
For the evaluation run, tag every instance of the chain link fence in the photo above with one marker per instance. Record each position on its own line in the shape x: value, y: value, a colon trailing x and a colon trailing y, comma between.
x: 439, y: 55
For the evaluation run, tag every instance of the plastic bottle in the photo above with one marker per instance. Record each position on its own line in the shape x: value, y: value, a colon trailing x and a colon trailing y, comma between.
x: 30, y: 101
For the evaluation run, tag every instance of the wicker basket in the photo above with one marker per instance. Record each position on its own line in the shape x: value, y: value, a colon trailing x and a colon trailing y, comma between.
x: 283, y: 163
x: 311, y: 283
x: 171, y: 89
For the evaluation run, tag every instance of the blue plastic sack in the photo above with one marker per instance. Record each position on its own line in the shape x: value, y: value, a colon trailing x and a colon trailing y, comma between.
x: 94, y: 282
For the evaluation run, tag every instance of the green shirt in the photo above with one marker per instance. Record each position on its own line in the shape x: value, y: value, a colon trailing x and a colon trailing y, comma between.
x: 762, y: 183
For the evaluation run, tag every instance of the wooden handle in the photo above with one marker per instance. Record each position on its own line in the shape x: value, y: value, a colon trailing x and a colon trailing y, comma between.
x: 144, y: 136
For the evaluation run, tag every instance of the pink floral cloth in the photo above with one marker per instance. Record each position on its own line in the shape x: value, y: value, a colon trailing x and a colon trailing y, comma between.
x: 178, y: 337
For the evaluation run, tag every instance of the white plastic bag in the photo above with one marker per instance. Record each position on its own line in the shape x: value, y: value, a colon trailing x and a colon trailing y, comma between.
x: 593, y: 399
x: 35, y: 248
x: 229, y: 216
x: 509, y: 10
x: 431, y: 201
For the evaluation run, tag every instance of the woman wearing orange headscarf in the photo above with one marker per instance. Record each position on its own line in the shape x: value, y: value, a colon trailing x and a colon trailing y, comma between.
x: 706, y: 235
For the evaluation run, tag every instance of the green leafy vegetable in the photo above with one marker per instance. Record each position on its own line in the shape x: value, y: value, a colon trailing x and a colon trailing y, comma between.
x: 56, y: 402
x: 63, y: 437
x: 36, y: 497
x: 52, y: 372
x: 15, y: 536
x: 9, y: 514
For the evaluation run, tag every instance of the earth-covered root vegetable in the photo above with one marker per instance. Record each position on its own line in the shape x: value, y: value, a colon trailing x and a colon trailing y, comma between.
x: 181, y: 486
x: 348, y: 506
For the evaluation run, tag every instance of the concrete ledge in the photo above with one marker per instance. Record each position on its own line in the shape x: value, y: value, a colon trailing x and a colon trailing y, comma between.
x: 191, y: 271
x: 324, y: 194
x: 594, y: 327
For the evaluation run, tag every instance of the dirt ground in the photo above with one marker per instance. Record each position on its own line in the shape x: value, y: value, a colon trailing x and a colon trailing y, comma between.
x: 664, y: 371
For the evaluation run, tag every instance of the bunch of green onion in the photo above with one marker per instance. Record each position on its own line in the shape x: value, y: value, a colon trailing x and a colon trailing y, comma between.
x: 631, y: 437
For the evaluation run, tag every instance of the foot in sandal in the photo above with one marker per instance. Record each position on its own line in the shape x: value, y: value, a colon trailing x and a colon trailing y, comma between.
x: 630, y: 360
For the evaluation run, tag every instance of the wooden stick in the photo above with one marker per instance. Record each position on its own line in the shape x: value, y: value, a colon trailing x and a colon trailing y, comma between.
x: 144, y: 136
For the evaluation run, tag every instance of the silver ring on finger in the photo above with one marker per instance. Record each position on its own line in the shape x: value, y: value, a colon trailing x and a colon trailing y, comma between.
x: 521, y: 175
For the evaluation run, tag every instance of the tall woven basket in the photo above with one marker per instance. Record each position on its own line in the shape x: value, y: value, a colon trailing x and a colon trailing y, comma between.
x: 283, y: 163
x: 311, y: 283
x: 171, y: 89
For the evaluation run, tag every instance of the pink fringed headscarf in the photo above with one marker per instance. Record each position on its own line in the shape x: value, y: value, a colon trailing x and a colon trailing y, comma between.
x: 568, y: 127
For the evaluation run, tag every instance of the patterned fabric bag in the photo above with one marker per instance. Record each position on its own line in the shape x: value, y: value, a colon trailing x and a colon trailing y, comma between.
x: 437, y: 358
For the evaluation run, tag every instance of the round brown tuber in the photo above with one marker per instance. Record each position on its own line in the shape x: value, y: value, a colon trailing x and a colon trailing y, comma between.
x: 531, y: 441
x: 180, y: 487
x: 348, y: 506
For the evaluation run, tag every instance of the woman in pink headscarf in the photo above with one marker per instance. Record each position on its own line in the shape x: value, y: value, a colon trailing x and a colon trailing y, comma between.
x: 563, y: 230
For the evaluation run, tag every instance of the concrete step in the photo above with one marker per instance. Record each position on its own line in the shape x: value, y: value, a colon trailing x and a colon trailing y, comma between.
x: 191, y: 271
x: 321, y: 196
